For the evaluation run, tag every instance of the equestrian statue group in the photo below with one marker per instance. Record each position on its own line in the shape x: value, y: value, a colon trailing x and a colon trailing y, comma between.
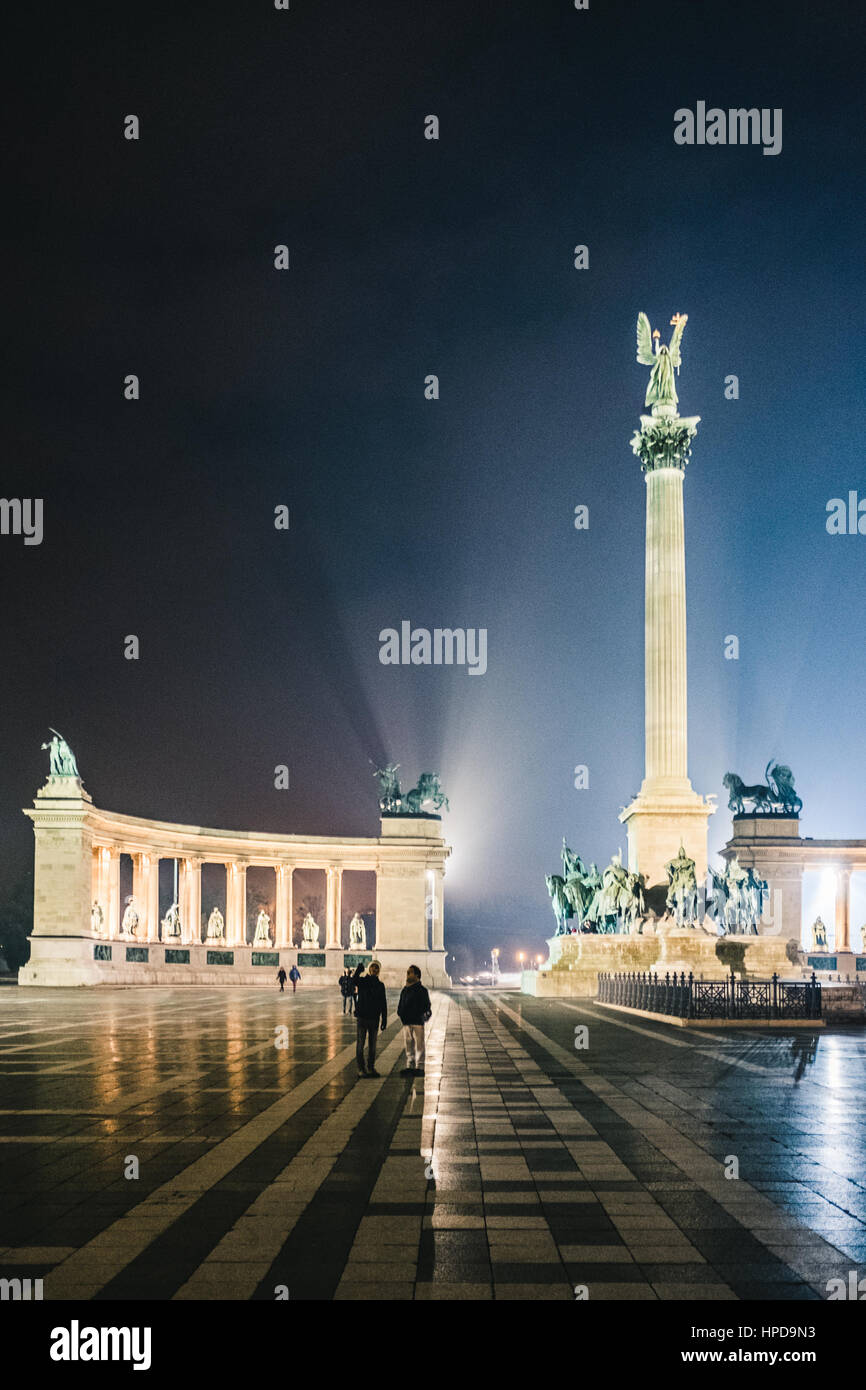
x: 617, y: 901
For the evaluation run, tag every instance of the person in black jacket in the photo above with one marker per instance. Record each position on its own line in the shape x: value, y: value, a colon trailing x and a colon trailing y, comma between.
x: 371, y: 1006
x: 413, y: 1012
x: 347, y: 989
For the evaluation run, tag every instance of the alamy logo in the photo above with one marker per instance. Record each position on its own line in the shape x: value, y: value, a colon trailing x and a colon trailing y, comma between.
x: 736, y: 126
x: 76, y: 1343
x: 444, y: 646
x: 22, y: 516
x: 20, y: 1289
x: 846, y: 519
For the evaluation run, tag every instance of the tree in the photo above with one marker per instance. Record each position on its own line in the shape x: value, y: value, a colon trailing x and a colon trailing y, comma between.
x: 16, y: 919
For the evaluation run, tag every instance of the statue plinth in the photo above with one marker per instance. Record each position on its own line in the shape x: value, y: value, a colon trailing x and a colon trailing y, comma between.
x: 576, y: 959
x: 658, y: 822
x: 693, y: 951
x: 63, y: 788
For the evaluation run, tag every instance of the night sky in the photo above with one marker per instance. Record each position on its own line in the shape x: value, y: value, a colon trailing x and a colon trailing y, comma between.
x: 306, y: 388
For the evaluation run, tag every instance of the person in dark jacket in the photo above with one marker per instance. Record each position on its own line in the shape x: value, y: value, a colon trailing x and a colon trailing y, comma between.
x: 371, y: 1008
x: 347, y: 989
x: 413, y: 1012
x: 282, y: 977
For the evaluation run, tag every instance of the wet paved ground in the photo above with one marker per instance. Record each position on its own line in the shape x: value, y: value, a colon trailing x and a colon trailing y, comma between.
x: 519, y: 1168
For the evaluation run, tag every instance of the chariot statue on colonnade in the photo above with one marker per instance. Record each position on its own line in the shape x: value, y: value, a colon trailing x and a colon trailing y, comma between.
x: 394, y: 802
x: 774, y: 796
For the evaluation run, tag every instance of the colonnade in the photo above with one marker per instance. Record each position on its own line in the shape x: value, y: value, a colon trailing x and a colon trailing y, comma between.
x: 238, y: 931
x: 773, y: 846
x: 80, y: 890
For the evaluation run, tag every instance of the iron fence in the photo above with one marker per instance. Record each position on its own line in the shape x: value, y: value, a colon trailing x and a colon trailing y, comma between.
x: 682, y: 996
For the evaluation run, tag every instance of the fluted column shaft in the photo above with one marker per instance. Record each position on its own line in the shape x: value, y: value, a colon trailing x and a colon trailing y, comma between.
x: 112, y: 909
x: 283, y: 923
x: 334, y: 909
x: 438, y: 913
x: 189, y: 890
x: 236, y: 904
x: 843, y: 910
x: 145, y: 891
x: 665, y: 631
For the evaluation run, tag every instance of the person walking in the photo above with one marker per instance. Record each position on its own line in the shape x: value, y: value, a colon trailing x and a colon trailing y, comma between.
x: 347, y: 989
x: 294, y: 976
x: 413, y: 1012
x: 371, y: 1008
x: 282, y: 977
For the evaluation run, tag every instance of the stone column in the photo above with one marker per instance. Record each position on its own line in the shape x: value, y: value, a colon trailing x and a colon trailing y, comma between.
x: 236, y: 904
x: 95, y: 874
x: 283, y: 923
x: 438, y: 910
x: 843, y: 910
x: 665, y: 708
x: 112, y: 910
x: 101, y: 880
x: 189, y: 891
x: 334, y: 909
x: 667, y: 811
x: 145, y: 890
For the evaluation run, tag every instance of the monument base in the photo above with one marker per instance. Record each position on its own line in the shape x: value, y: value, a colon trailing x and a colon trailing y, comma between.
x: 658, y: 821
x: 574, y: 963
x: 576, y: 960
x: 74, y: 961
x: 691, y: 951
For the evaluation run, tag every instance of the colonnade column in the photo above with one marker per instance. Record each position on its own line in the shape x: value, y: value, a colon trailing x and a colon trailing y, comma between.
x: 101, y: 882
x: 95, y: 875
x: 145, y: 891
x: 236, y: 904
x: 843, y: 910
x: 438, y: 912
x: 189, y: 892
x: 283, y: 923
x: 112, y: 909
x: 334, y: 910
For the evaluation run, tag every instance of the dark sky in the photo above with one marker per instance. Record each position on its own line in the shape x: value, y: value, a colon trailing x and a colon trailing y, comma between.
x: 305, y: 387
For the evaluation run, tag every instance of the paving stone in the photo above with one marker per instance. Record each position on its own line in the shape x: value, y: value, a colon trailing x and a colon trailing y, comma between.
x: 551, y: 1169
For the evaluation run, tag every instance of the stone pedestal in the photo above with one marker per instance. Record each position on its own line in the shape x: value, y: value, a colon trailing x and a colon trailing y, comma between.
x: 63, y: 871
x: 658, y: 822
x: 574, y: 963
x: 772, y: 846
x: 89, y: 960
x: 692, y: 951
